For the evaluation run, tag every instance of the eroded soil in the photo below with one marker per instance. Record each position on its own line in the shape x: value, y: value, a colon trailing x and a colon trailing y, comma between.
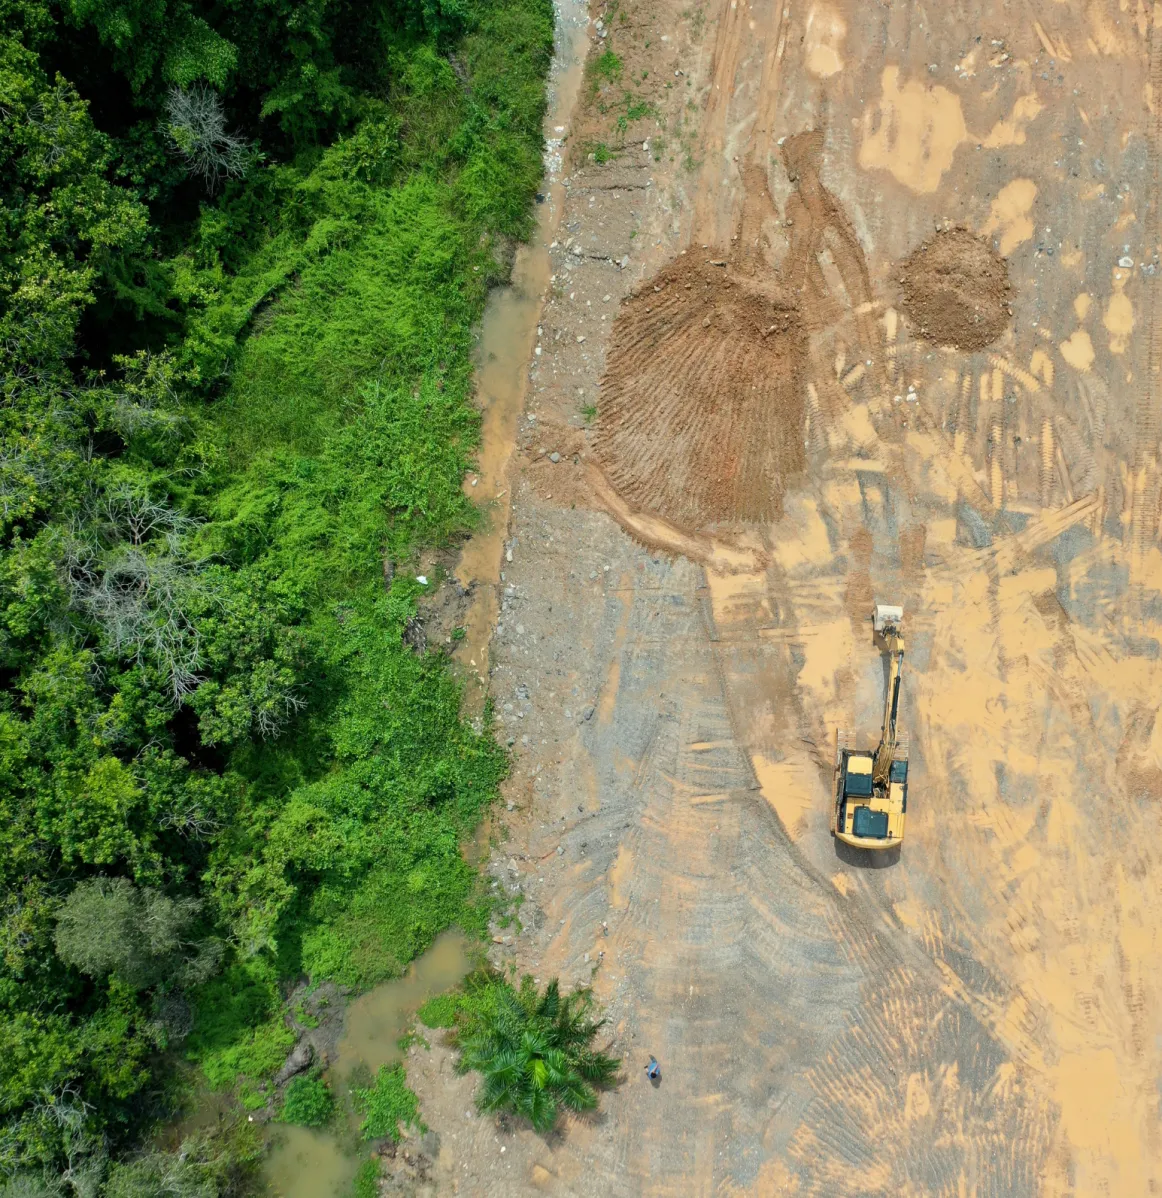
x: 676, y: 646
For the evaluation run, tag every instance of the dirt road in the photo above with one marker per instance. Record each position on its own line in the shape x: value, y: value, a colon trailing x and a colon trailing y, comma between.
x: 685, y: 601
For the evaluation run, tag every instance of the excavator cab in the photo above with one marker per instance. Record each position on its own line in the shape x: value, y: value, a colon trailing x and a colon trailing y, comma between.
x: 871, y: 786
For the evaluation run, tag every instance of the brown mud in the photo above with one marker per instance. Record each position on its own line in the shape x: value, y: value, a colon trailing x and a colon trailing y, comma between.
x: 702, y: 401
x: 955, y: 291
x: 507, y: 336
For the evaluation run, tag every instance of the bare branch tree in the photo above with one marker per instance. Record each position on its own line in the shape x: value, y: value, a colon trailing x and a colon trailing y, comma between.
x: 126, y: 567
x: 140, y: 600
x: 197, y: 132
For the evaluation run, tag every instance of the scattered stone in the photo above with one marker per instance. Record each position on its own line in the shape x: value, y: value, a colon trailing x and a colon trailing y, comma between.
x: 554, y: 457
x: 587, y: 714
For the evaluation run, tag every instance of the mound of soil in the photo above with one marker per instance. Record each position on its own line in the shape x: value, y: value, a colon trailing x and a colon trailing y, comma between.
x: 956, y: 291
x: 701, y: 414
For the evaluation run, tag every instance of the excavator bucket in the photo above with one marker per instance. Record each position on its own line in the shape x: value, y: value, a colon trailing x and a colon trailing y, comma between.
x: 887, y: 616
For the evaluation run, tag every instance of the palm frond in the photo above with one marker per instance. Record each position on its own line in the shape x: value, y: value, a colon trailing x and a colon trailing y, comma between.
x: 533, y: 1050
x: 577, y: 1096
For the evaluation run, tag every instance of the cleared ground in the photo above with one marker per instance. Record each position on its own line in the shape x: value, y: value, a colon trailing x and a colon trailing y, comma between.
x: 981, y: 1015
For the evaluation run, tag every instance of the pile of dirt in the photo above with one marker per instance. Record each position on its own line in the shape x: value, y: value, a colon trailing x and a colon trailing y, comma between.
x: 701, y: 414
x: 956, y: 291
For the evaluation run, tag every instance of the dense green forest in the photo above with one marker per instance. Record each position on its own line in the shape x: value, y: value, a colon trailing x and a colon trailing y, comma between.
x: 243, y: 248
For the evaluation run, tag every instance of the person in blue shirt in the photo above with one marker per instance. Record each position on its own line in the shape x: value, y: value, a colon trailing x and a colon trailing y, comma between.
x: 653, y: 1072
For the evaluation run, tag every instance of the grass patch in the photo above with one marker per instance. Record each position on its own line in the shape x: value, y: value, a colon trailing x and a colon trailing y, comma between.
x: 606, y: 68
x: 365, y: 1183
x: 440, y: 1010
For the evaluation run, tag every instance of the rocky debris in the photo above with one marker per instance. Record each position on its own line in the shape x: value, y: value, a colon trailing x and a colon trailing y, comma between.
x: 299, y: 1060
x: 414, y: 635
x: 406, y: 1168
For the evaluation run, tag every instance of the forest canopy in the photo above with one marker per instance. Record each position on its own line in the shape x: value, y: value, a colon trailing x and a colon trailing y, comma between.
x: 243, y: 249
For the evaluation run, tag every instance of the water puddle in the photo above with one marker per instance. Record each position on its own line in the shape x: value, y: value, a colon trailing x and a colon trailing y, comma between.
x: 304, y: 1163
x: 309, y: 1164
x: 377, y: 1019
x: 507, y: 339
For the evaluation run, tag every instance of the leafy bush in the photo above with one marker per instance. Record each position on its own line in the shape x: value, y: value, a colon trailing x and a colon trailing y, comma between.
x: 533, y: 1051
x: 108, y: 926
x: 205, y: 1166
x: 308, y: 1102
x: 387, y: 1106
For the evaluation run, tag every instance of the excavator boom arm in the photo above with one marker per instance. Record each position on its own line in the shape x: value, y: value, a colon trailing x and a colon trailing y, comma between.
x: 887, y: 745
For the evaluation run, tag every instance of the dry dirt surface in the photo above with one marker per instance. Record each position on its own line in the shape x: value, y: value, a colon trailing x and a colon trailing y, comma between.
x: 685, y: 600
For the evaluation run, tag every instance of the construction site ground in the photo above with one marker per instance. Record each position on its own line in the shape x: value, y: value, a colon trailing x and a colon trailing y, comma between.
x: 704, y: 510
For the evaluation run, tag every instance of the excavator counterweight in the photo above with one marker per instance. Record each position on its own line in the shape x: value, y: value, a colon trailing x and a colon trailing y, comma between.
x: 871, y: 786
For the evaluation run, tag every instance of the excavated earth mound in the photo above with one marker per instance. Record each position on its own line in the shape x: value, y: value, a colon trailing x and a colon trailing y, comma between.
x: 701, y: 416
x: 956, y: 291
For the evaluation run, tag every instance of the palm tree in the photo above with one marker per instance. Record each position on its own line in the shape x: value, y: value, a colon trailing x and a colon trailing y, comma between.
x: 534, y: 1051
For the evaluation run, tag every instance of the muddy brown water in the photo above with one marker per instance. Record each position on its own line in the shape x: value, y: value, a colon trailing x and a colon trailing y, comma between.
x: 507, y: 336
x: 305, y: 1163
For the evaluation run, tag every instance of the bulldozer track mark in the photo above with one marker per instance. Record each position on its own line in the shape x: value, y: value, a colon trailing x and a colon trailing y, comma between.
x: 708, y: 430
x: 723, y: 68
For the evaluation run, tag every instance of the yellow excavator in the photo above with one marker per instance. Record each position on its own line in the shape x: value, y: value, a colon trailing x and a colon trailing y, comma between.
x: 871, y: 789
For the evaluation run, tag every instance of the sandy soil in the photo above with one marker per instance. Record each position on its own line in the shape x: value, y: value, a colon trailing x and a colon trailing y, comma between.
x: 980, y: 1015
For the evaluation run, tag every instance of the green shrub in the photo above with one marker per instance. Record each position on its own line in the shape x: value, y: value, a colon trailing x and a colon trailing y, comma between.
x: 387, y: 1106
x: 223, y: 410
x: 606, y: 68
x: 308, y: 1102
